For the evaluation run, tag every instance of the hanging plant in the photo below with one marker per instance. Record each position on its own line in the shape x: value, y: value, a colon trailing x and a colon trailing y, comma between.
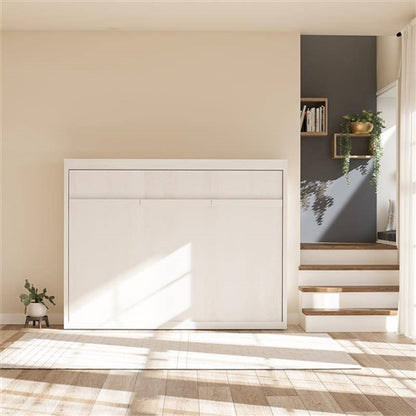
x: 346, y: 153
x: 365, y: 122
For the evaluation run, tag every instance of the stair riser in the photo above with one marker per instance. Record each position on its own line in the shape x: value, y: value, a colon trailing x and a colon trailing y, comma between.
x: 349, y: 323
x: 348, y: 277
x: 349, y: 257
x: 349, y: 300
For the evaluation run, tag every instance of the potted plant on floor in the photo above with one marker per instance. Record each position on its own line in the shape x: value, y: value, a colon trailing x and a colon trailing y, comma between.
x: 34, y: 301
x: 365, y: 122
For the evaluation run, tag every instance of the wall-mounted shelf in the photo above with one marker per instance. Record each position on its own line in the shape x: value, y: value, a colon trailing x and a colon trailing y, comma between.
x: 315, y: 103
x: 335, y: 146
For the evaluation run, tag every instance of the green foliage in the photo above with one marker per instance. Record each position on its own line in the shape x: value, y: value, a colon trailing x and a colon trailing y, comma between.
x: 346, y: 153
x: 375, y: 147
x: 35, y: 296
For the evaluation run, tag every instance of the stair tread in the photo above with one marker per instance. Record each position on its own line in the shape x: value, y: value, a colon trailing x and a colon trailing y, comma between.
x: 337, y: 289
x: 350, y: 311
x: 349, y: 267
x: 347, y: 246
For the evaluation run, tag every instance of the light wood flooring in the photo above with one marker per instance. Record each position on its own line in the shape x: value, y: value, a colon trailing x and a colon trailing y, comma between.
x: 384, y: 386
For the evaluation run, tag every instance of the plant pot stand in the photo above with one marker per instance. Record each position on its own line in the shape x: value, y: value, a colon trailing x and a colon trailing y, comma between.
x: 38, y: 319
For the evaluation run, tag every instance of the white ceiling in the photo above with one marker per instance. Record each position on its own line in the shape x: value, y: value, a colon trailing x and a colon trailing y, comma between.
x: 325, y: 17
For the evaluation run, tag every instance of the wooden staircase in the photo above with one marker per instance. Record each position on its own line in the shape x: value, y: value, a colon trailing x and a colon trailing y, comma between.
x: 348, y: 287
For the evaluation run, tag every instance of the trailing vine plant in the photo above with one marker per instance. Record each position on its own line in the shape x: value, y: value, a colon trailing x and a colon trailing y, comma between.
x: 375, y: 146
x: 346, y: 152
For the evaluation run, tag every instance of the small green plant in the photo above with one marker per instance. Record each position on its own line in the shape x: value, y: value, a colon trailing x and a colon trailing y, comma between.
x: 375, y: 146
x: 35, y: 296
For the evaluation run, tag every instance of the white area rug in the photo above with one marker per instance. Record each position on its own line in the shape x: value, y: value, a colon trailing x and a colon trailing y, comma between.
x: 215, y: 350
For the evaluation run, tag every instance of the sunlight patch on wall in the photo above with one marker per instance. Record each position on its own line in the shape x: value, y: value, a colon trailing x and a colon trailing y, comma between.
x: 323, y: 201
x: 388, y: 134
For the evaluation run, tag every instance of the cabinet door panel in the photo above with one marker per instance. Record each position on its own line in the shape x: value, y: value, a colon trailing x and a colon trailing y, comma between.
x: 181, y: 230
x: 247, y: 184
x: 247, y: 263
x: 106, y: 184
x: 105, y: 247
x: 178, y: 184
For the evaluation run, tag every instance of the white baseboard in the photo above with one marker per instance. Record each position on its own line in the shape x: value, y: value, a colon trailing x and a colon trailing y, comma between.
x: 19, y: 318
x: 58, y: 319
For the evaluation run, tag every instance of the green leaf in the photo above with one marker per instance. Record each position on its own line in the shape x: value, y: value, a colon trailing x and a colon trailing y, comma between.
x: 25, y: 299
x: 50, y: 298
x: 35, y: 295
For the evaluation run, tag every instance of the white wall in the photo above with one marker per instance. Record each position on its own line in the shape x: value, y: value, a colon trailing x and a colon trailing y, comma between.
x: 388, y: 67
x: 387, y: 182
x: 134, y: 95
x: 388, y: 60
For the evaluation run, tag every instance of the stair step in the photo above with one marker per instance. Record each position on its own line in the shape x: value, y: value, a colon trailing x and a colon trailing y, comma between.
x: 339, y: 289
x: 351, y: 311
x: 349, y: 267
x: 348, y: 278
x: 348, y: 254
x: 349, y: 323
x: 347, y: 246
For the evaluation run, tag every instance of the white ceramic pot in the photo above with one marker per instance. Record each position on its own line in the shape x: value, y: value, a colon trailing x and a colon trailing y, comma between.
x: 36, y: 310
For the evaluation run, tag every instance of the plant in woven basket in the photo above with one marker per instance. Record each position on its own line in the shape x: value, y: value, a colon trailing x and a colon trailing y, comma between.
x: 362, y: 123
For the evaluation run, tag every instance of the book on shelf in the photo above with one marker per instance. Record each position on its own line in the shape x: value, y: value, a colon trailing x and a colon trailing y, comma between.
x: 313, y: 119
x: 302, y: 116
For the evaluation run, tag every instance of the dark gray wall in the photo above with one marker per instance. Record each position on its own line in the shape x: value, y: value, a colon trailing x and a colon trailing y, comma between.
x: 342, y: 68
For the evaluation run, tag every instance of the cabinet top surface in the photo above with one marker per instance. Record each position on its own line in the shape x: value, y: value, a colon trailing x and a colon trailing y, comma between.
x: 191, y: 164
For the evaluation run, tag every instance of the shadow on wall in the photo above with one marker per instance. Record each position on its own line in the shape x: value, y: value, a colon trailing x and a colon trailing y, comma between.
x: 351, y: 209
x: 330, y: 207
x: 318, y: 191
x: 322, y: 201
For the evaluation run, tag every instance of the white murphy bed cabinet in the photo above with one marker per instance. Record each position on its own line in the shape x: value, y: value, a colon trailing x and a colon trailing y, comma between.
x: 174, y: 244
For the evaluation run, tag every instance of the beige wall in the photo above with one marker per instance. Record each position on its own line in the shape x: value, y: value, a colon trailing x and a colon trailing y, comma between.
x: 134, y: 95
x: 1, y: 164
x: 388, y: 60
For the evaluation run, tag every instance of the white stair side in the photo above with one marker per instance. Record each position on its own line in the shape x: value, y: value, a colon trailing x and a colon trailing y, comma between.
x: 349, y: 300
x: 348, y: 257
x: 349, y: 323
x: 348, y: 277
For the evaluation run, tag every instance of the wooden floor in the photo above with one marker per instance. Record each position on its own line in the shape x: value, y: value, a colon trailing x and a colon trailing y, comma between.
x: 384, y: 386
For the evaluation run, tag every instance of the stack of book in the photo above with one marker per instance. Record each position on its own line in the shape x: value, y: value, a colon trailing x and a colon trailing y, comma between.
x: 313, y: 119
